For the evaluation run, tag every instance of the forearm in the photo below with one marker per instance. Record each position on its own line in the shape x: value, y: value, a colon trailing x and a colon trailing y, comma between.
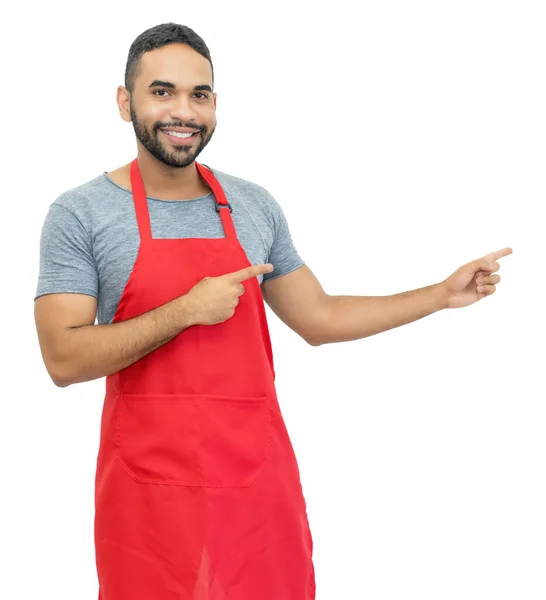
x: 94, y: 351
x: 347, y: 318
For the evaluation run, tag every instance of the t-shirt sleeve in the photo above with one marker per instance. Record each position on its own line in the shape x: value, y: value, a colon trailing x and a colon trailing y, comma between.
x: 66, y: 255
x: 282, y: 254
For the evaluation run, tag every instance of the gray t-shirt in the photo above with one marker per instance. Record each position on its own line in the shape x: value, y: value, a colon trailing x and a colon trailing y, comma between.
x: 90, y: 239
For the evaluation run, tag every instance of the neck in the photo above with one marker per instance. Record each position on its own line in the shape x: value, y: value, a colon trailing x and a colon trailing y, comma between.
x: 167, y: 182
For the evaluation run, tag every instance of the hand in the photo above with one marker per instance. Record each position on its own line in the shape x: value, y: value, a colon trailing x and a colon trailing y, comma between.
x: 473, y: 281
x: 214, y: 299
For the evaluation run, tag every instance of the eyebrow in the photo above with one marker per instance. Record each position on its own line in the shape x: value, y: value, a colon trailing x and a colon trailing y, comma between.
x: 168, y: 84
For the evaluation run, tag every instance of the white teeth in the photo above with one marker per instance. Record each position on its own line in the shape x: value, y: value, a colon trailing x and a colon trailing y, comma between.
x: 177, y: 134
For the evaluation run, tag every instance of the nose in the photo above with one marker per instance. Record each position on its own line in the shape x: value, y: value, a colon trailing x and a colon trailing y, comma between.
x: 182, y: 110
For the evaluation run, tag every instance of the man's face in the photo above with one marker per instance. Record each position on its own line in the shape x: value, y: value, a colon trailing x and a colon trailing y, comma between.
x: 169, y: 92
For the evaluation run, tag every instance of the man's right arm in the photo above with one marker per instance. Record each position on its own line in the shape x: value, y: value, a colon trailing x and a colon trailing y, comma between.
x: 75, y: 350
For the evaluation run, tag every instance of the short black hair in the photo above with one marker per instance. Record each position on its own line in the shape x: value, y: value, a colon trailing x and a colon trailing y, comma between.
x: 157, y: 37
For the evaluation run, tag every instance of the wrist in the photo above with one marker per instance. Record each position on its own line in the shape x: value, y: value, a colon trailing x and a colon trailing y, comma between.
x: 185, y: 312
x: 441, y: 295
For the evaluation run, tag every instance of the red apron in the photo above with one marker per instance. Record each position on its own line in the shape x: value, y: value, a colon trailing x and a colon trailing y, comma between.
x: 197, y: 490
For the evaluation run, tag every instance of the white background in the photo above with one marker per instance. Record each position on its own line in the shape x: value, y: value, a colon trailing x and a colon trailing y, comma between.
x: 402, y: 140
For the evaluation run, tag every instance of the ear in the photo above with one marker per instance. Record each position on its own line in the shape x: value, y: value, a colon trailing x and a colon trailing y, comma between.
x: 123, y: 98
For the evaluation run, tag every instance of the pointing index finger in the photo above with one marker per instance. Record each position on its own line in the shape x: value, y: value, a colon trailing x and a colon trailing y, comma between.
x: 252, y: 271
x: 493, y: 256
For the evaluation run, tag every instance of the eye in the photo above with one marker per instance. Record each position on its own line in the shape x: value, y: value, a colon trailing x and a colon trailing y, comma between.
x: 204, y: 96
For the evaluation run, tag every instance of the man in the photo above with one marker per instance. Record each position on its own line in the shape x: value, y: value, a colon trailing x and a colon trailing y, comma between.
x: 198, y: 492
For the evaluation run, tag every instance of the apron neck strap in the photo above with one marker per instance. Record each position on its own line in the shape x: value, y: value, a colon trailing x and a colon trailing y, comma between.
x: 141, y: 205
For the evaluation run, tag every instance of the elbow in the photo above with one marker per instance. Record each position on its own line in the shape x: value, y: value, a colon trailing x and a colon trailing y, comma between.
x: 62, y: 383
x: 314, y: 340
x: 317, y: 333
x: 58, y: 375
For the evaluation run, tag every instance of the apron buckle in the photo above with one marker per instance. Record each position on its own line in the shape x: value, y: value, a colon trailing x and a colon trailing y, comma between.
x: 218, y: 206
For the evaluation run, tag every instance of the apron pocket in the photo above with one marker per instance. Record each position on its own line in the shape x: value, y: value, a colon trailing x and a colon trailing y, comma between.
x: 193, y: 439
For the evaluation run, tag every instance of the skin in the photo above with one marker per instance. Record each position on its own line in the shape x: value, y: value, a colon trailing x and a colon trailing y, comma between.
x: 169, y: 171
x: 76, y: 350
x: 297, y: 298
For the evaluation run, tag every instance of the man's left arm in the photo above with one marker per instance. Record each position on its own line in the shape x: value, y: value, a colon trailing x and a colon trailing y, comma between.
x: 299, y: 300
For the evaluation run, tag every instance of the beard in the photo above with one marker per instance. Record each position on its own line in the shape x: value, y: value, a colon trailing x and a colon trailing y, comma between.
x: 173, y: 156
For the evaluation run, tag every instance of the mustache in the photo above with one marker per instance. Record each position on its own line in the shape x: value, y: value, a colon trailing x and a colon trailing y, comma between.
x: 189, y: 125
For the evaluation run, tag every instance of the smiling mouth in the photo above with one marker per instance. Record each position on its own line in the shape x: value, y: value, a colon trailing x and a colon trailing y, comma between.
x: 180, y: 139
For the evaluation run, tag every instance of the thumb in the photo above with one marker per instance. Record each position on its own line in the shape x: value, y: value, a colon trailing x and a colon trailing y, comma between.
x: 477, y: 265
x: 482, y: 265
